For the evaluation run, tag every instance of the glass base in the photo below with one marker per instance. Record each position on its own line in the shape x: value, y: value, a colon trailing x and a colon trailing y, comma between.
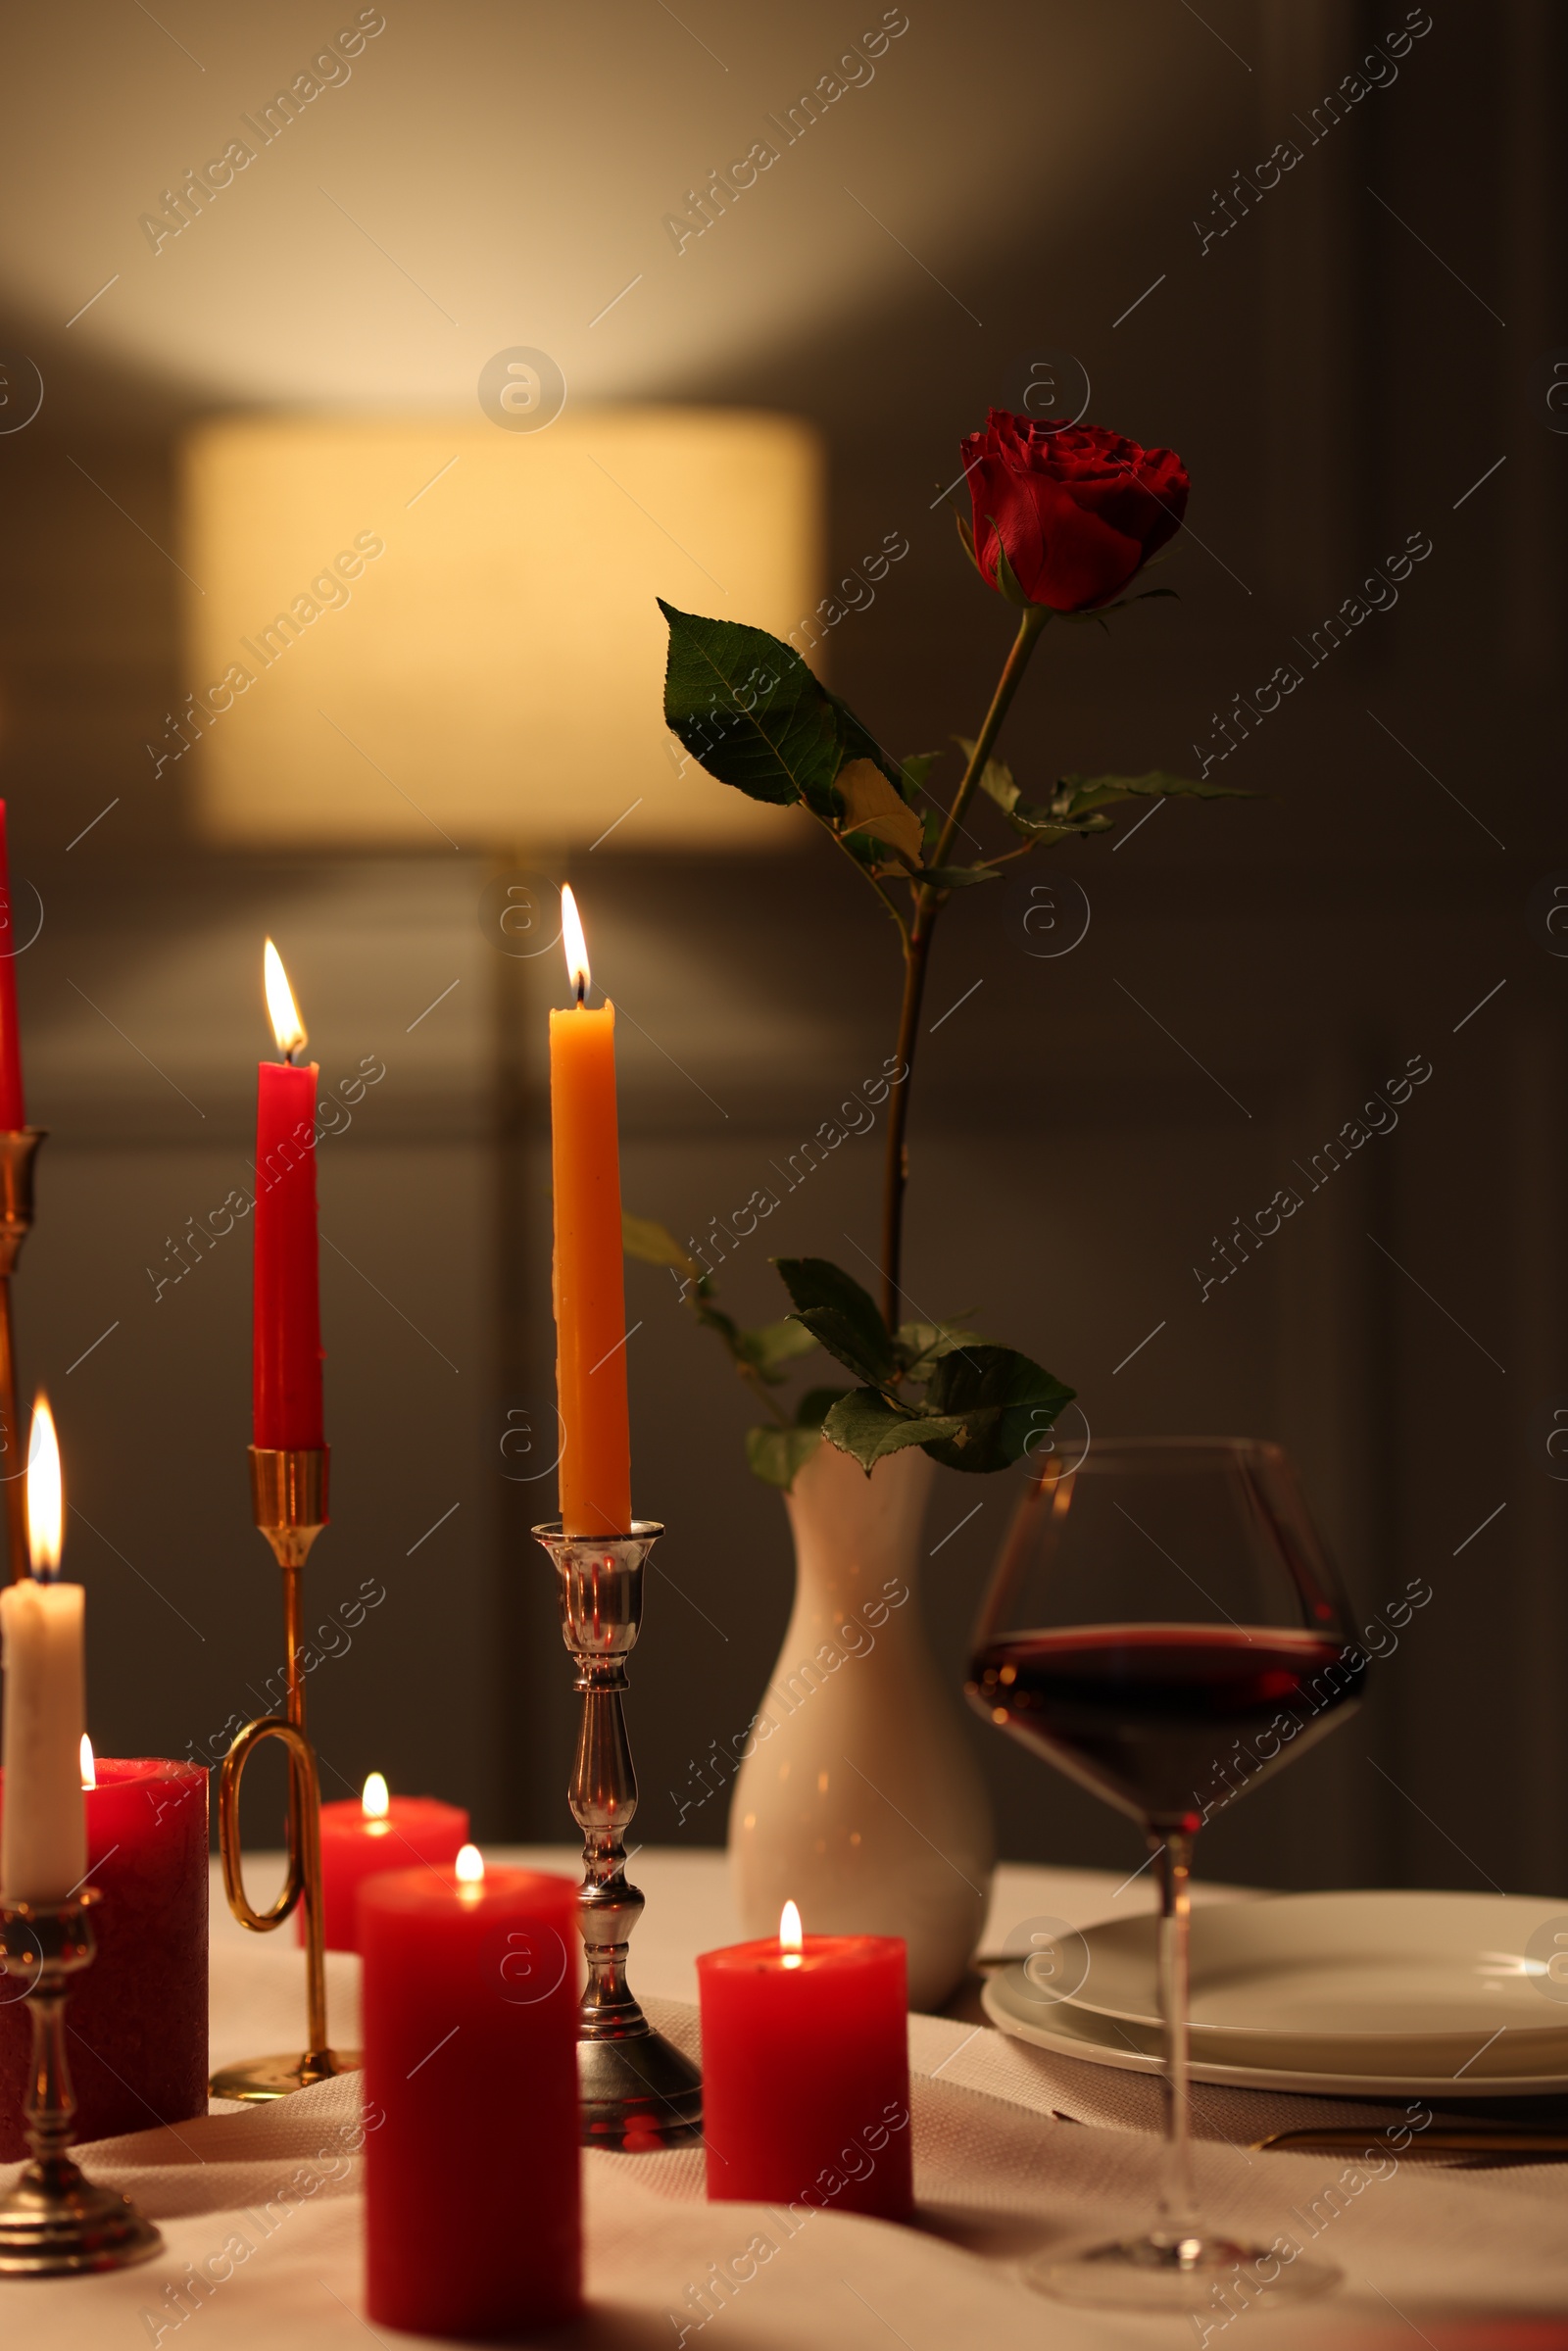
x: 1186, y: 2272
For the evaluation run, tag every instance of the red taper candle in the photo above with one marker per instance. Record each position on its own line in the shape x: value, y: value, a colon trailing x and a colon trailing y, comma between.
x: 805, y: 2071
x: 287, y: 1390
x: 13, y: 1109
x: 472, y: 2181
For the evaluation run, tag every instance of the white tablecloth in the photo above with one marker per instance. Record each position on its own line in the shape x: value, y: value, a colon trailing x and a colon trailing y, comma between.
x: 1013, y: 2150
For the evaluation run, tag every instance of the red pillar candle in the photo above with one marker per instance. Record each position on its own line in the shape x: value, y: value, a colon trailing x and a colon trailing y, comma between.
x: 12, y: 1110
x: 805, y: 2071
x: 473, y: 2180
x: 138, y: 2014
x: 370, y: 1834
x: 288, y: 1394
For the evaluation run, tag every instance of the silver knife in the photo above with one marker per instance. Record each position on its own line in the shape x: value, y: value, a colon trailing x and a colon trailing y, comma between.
x: 1480, y: 2138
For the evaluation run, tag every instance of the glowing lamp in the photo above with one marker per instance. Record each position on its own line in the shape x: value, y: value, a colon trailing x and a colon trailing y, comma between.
x: 444, y: 634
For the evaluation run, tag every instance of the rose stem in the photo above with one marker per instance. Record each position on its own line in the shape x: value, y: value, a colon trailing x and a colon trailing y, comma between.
x: 928, y: 904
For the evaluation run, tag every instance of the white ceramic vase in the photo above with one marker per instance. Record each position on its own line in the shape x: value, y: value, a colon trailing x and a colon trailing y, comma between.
x: 858, y: 1798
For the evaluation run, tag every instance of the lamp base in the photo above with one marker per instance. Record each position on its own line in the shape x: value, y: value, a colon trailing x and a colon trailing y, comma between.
x: 257, y: 2080
x: 637, y: 2092
x: 54, y: 2224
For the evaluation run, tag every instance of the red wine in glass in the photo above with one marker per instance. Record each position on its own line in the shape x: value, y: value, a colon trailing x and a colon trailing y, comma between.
x: 1150, y: 1716
x: 1164, y: 1626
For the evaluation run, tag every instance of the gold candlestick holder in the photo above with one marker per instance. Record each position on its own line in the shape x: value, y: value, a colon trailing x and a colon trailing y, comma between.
x: 18, y: 1149
x: 635, y: 2089
x: 289, y: 1491
x: 55, y: 2221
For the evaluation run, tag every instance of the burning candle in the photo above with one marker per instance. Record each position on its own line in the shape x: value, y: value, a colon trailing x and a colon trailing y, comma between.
x: 138, y: 2014
x: 367, y: 1836
x: 805, y: 2071
x: 43, y: 1841
x: 590, y: 1292
x: 287, y: 1390
x: 471, y: 2187
x: 13, y: 1111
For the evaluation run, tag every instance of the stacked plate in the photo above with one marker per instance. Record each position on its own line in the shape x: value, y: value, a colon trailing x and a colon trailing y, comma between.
x: 1348, y: 1994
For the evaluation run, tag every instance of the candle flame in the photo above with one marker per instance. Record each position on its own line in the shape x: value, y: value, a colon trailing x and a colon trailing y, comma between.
x: 376, y: 1801
x: 45, y: 1497
x: 470, y: 1866
x: 790, y: 1937
x: 574, y: 942
x: 281, y: 1009
x: 89, y: 1768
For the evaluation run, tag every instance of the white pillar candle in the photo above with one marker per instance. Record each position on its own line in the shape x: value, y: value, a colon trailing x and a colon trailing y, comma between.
x: 43, y: 1839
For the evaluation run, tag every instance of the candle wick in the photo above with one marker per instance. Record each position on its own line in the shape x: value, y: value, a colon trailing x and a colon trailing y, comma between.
x: 582, y: 990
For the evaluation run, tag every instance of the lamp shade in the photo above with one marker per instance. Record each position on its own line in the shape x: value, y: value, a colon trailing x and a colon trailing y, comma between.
x: 400, y: 632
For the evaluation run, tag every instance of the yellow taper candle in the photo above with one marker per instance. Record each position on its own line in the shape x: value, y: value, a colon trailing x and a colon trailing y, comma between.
x: 590, y: 1290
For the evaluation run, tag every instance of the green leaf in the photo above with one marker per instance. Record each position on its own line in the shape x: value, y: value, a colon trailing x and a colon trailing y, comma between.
x: 1122, y: 604
x: 654, y: 1244
x: 997, y: 780
x: 922, y: 1344
x: 779, y: 1455
x: 867, y: 1427
x: 916, y: 768
x: 1004, y: 1400
x: 857, y: 741
x: 966, y: 534
x: 1007, y: 578
x: 846, y: 1318
x: 767, y: 1346
x: 750, y: 711
x: 958, y: 877
x: 872, y: 854
x: 816, y: 1405
x: 1040, y: 826
x: 999, y: 783
x: 1076, y: 794
x: 713, y: 1318
x: 876, y: 807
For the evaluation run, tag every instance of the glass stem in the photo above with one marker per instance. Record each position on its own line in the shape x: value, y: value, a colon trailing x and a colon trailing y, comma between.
x: 1174, y: 1849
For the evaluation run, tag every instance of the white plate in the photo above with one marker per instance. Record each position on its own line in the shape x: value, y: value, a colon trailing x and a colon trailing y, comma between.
x: 1379, y: 1994
x: 1014, y: 2008
x: 1354, y: 1982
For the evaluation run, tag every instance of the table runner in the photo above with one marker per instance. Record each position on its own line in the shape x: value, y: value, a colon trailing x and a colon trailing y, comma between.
x: 266, y: 2207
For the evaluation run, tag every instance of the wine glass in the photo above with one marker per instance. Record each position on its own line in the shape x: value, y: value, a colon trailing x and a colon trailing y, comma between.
x: 1164, y: 1626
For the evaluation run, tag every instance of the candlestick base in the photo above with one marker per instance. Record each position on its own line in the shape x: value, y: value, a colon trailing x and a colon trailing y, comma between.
x: 636, y: 2092
x: 55, y: 2224
x: 257, y: 2080
x: 55, y: 2221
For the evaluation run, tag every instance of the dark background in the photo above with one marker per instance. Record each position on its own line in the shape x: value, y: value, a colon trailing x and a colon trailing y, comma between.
x: 1341, y: 370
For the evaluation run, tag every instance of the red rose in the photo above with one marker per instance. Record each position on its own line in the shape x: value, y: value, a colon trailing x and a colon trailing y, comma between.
x: 1079, y: 509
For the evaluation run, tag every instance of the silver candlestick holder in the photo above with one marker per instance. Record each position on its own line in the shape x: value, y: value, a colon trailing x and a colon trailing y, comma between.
x: 636, y: 2090
x: 54, y: 2222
